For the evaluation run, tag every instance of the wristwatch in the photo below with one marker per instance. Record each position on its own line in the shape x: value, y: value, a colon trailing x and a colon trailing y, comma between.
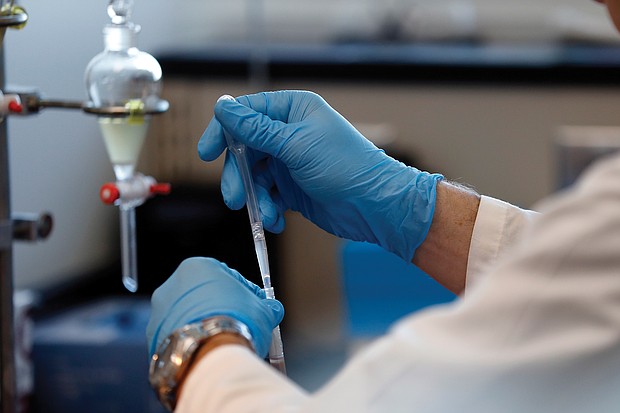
x: 171, y: 361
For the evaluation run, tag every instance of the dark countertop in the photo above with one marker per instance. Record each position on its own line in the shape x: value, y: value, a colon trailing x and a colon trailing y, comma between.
x: 409, y: 63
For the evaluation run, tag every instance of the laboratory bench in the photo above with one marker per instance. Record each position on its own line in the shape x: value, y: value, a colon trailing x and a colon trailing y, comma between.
x: 467, y: 62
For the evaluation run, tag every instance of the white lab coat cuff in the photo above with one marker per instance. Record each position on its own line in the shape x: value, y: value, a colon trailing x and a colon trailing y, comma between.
x: 498, y: 226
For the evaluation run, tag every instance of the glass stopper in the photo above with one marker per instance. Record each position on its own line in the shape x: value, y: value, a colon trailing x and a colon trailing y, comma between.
x: 120, y: 10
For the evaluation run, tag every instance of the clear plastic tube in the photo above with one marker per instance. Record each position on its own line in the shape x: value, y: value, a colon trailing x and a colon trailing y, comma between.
x: 276, y: 350
x: 128, y: 248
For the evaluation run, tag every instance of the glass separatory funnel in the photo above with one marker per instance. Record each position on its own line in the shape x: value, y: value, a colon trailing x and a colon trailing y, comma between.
x: 123, y: 85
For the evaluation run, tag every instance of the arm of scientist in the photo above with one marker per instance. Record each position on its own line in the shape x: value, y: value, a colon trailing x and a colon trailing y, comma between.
x: 541, y: 333
x: 200, y: 278
x: 307, y: 158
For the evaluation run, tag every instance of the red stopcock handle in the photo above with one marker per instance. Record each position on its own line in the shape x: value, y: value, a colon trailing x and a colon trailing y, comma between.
x: 132, y: 191
x: 109, y: 193
x: 10, y: 104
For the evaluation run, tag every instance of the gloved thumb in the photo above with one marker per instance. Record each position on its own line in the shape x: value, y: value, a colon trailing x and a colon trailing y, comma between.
x: 251, y: 128
x: 262, y: 329
x: 277, y: 310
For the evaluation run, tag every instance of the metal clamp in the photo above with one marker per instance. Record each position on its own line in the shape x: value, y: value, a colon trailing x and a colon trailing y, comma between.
x: 31, y: 227
x: 15, y: 17
x: 161, y: 106
x: 29, y: 101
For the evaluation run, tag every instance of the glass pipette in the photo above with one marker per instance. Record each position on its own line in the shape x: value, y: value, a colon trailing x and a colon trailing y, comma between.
x: 276, y: 350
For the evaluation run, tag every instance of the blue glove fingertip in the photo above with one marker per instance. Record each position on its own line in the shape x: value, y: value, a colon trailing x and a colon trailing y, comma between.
x: 232, y: 188
x: 224, y: 104
x: 277, y: 310
x: 255, y: 289
x: 278, y: 226
x: 268, y: 209
x: 227, y: 195
x: 212, y: 142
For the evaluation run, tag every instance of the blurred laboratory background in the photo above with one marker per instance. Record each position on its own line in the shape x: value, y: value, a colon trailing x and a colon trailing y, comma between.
x: 512, y: 98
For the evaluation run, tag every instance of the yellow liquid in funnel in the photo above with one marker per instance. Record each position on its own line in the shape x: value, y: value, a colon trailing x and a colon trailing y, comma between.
x: 123, y: 139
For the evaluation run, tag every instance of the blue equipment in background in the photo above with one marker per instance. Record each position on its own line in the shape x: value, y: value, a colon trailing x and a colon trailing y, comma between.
x: 94, y: 358
x: 380, y: 288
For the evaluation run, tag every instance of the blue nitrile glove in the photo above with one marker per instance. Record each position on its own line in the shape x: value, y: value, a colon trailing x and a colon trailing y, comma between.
x: 308, y: 158
x: 205, y: 287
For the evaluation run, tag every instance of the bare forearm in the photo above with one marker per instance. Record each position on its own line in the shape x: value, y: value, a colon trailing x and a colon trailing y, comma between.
x: 443, y: 255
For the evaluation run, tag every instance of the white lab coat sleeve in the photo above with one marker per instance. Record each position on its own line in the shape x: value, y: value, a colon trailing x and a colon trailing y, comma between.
x: 231, y: 379
x: 540, y: 333
x: 498, y: 226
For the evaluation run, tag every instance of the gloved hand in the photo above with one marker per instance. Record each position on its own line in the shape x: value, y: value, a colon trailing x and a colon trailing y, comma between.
x: 205, y: 287
x: 308, y: 158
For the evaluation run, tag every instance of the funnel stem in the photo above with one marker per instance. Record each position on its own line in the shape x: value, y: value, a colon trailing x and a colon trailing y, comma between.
x: 129, y: 249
